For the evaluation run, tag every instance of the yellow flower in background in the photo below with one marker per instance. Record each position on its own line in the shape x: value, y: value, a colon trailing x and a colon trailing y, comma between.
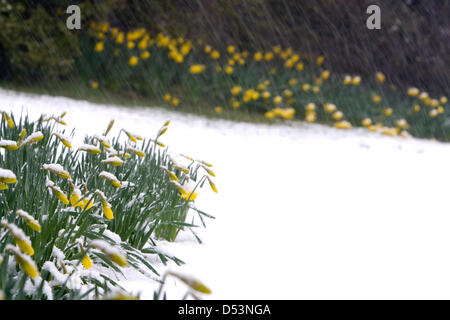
x: 356, y: 80
x: 315, y: 89
x: 207, y: 49
x: 287, y: 93
x: 94, y: 84
x: 433, y: 113
x: 270, y: 115
x: 120, y: 38
x: 288, y: 113
x: 347, y: 79
x: 434, y: 103
x: 278, y: 100
x: 440, y: 110
x: 443, y: 100
x: 197, y: 68
x: 268, y: 56
x: 416, y: 108
x: 380, y: 77
x: 306, y: 87
x: 99, y: 47
x: 366, y: 122
x: 329, y: 107
x: 167, y: 97
x: 258, y: 56
x: 145, y: 55
x: 320, y: 60
x: 230, y: 49
x: 236, y: 90
x: 388, y: 112
x: 310, y: 107
x: 343, y: 125
x: 133, y: 61
x: 265, y: 95
x: 130, y: 45
x: 186, y: 48
x: 300, y: 66
x: 325, y: 74
x: 218, y: 109
x: 228, y: 69
x: 413, y: 92
x: 175, y: 101
x: 338, y: 115
x: 376, y: 98
x: 215, y: 55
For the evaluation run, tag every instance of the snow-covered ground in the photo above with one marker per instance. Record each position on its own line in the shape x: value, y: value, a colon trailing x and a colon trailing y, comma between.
x: 304, y: 211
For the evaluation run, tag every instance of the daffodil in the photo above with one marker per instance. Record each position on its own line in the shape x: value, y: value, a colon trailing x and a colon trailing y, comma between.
x: 133, y: 61
x: 9, y: 145
x: 29, y: 220
x: 329, y: 107
x: 337, y: 115
x: 191, y: 282
x: 57, y: 192
x: 114, y: 161
x: 57, y: 169
x: 20, y: 238
x: 366, y: 122
x: 413, y: 92
x: 32, y: 138
x: 107, y: 211
x: 112, y: 253
x: 25, y: 262
x: 7, y: 176
x: 99, y: 46
x: 110, y: 178
x: 89, y: 148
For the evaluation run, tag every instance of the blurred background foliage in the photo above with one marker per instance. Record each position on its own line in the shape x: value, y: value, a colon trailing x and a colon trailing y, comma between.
x: 411, y: 48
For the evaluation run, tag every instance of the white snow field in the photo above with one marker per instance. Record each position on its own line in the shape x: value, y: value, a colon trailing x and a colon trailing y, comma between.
x: 304, y: 211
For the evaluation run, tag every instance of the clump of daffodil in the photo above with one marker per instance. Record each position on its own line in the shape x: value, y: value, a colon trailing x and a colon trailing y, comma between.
x: 59, y: 119
x: 65, y: 141
x: 111, y: 178
x: 56, y: 169
x: 25, y: 262
x: 57, y: 191
x: 197, y: 68
x: 29, y: 220
x: 112, y: 253
x: 9, y: 120
x: 106, y: 206
x: 20, y: 238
